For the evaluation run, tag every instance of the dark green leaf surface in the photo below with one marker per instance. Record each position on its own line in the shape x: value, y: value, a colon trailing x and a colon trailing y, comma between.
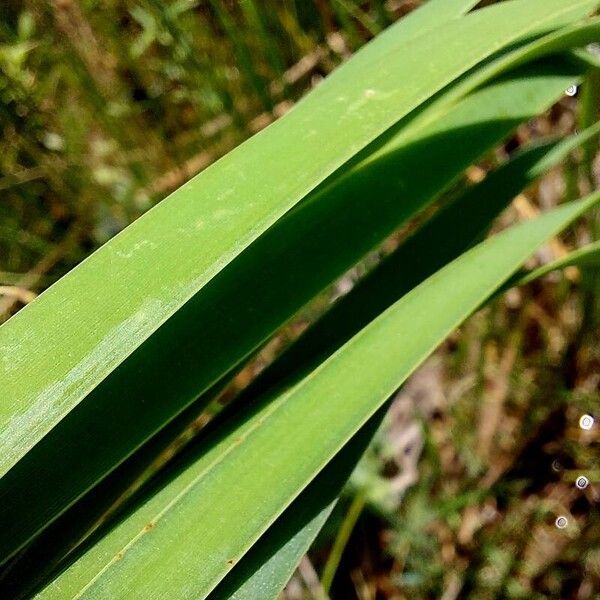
x: 441, y: 239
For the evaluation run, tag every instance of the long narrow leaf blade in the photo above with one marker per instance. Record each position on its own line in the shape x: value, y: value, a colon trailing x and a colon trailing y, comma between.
x: 428, y: 17
x: 257, y: 293
x: 587, y: 256
x: 267, y: 567
x: 158, y: 264
x: 249, y: 475
x: 444, y: 237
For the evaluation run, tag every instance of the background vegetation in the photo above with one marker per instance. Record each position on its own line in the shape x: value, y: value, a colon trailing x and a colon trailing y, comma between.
x: 108, y: 105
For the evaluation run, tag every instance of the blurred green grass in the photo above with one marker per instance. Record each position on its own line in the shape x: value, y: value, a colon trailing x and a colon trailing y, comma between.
x: 107, y: 106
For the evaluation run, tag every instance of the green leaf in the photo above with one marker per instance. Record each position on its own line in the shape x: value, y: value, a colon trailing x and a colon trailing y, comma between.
x: 181, y: 542
x: 527, y: 164
x: 257, y: 293
x: 441, y: 239
x: 433, y: 14
x: 267, y: 567
x: 586, y: 256
x: 554, y: 43
x: 153, y: 267
x: 299, y: 536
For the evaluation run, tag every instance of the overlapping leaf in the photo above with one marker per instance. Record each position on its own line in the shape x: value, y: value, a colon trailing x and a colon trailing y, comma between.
x: 441, y: 239
x: 186, y: 260
x: 250, y: 471
x: 154, y: 267
x: 472, y: 212
x: 205, y: 332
